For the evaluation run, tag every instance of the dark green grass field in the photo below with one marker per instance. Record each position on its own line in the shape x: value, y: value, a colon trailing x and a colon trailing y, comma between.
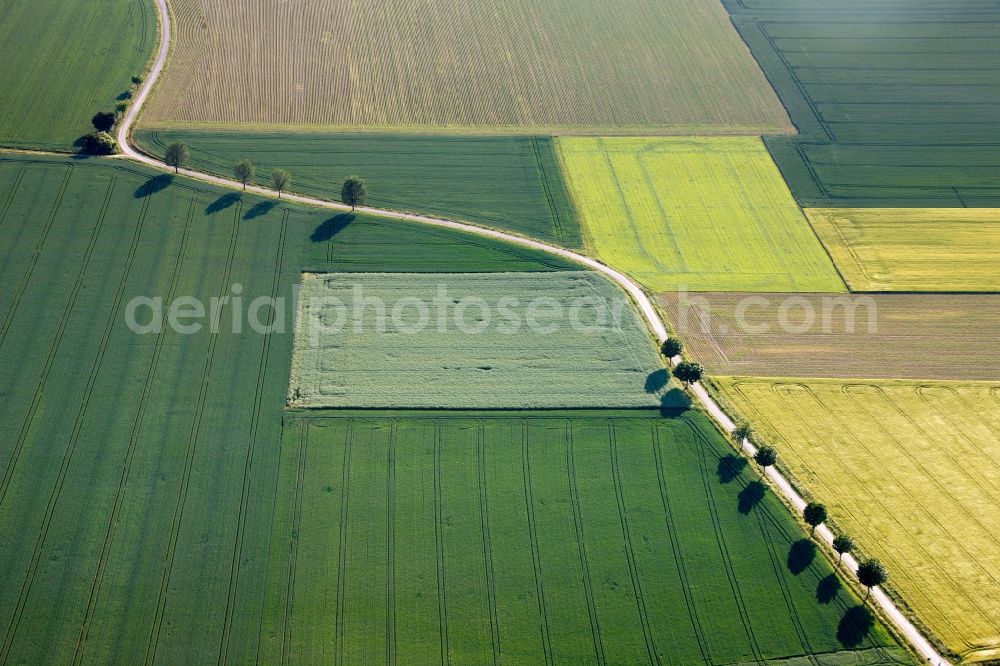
x: 157, y: 503
x: 529, y: 539
x: 511, y: 183
x: 138, y: 471
x: 896, y: 102
x: 65, y: 61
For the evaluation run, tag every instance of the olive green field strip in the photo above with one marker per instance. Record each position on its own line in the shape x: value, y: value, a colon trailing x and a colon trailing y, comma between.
x: 698, y: 214
x: 469, y: 538
x: 509, y: 183
x: 895, y: 102
x: 65, y: 61
x: 512, y: 66
x: 138, y: 471
x: 870, y: 336
x: 913, y: 249
x: 912, y: 471
x: 473, y: 340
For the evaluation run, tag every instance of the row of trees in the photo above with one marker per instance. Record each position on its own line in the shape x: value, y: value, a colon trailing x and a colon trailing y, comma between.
x: 353, y: 192
x: 685, y: 371
x: 871, y: 572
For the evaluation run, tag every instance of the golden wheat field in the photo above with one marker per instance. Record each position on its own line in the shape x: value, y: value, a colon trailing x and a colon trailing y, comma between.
x: 913, y: 249
x: 912, y: 471
x: 464, y: 65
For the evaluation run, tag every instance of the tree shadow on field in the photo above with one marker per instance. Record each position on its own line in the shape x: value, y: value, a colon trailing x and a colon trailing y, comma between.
x: 730, y: 467
x: 750, y: 497
x: 331, y: 227
x: 154, y: 185
x: 263, y: 208
x: 801, y: 555
x: 222, y: 203
x: 80, y: 143
x: 673, y: 403
x: 854, y: 626
x: 827, y: 589
x: 657, y: 380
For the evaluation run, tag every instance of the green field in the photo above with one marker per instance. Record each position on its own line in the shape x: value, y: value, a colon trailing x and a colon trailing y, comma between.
x: 158, y: 503
x: 601, y: 538
x: 65, y: 61
x: 516, y: 66
x: 895, y: 102
x: 913, y: 249
x: 703, y: 214
x: 511, y: 183
x: 912, y: 471
x: 514, y: 479
x: 473, y: 340
x: 138, y: 471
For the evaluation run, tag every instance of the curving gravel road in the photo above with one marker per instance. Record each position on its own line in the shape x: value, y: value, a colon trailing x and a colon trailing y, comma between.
x: 903, y: 625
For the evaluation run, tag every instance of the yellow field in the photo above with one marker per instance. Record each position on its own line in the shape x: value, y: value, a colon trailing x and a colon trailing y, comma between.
x: 706, y: 214
x: 913, y: 249
x: 912, y: 471
x: 519, y: 66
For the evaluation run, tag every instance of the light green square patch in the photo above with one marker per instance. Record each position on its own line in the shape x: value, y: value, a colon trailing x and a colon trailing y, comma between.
x: 478, y: 340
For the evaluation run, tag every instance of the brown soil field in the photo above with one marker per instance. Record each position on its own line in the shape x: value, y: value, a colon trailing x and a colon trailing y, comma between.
x: 871, y: 336
x: 508, y: 66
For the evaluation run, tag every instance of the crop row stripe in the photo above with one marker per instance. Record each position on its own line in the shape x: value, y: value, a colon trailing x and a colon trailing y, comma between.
x: 112, y: 529
x: 536, y: 560
x: 595, y: 625
x: 193, y: 437
x: 484, y: 519
x: 248, y: 465
x: 77, y: 425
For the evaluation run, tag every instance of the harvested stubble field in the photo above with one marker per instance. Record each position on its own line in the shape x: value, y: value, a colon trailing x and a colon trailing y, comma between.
x: 512, y: 66
x: 912, y: 471
x: 895, y: 102
x: 531, y: 538
x: 474, y: 340
x: 913, y: 336
x: 137, y: 472
x: 705, y: 214
x: 510, y: 183
x: 65, y: 61
x: 913, y: 249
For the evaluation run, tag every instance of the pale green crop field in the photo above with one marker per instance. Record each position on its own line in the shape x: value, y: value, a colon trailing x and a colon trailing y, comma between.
x: 705, y: 214
x: 501, y: 340
x: 913, y: 249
